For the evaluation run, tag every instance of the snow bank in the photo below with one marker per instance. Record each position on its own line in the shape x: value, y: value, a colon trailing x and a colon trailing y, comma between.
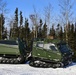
x: 25, y: 69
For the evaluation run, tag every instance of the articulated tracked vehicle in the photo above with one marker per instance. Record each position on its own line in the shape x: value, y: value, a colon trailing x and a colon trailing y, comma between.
x: 41, y: 53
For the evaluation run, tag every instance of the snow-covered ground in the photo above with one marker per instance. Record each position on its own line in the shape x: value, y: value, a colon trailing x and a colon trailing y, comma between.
x: 25, y: 69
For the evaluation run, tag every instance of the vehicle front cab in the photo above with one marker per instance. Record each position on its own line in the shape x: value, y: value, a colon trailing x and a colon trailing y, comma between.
x: 66, y: 53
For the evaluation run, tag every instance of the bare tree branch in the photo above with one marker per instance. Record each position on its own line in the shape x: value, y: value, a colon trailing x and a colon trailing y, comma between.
x: 35, y: 19
x: 66, y: 9
x: 3, y: 9
x: 48, y: 14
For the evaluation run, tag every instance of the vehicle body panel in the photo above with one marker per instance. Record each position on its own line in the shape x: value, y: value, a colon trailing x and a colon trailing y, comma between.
x: 43, y: 52
x: 9, y: 47
x: 9, y: 50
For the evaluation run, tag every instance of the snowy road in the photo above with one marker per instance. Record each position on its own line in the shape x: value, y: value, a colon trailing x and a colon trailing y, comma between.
x: 25, y: 69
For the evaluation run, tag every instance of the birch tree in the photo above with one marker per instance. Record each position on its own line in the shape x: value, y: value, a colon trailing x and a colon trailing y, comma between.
x: 66, y: 7
x: 48, y: 15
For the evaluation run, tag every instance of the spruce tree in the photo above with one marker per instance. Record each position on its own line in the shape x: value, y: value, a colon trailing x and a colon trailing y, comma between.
x: 4, y: 36
x: 74, y: 56
x: 71, y: 37
x: 75, y: 37
x: 44, y: 30
x: 27, y: 30
x: 3, y: 21
x: 68, y: 33
x: 2, y: 28
x: 52, y: 32
x: 61, y: 34
x: 40, y: 29
x: 27, y: 33
x: 16, y: 17
x: 15, y: 25
x: 21, y: 27
x: 21, y: 18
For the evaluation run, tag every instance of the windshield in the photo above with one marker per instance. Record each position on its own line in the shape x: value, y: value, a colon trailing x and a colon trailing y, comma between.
x: 39, y: 44
x: 63, y: 48
x: 53, y: 48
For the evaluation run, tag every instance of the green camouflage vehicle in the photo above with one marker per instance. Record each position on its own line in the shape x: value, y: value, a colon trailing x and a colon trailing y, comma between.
x: 13, y: 52
x: 41, y: 53
x: 50, y: 53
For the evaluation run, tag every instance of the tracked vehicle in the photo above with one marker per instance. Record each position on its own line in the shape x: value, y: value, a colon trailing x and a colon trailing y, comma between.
x: 50, y: 53
x: 41, y: 53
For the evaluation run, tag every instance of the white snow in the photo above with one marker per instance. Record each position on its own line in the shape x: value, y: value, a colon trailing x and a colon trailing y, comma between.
x: 25, y: 69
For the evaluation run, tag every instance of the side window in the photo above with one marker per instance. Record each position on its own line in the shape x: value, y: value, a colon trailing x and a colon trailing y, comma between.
x: 39, y: 44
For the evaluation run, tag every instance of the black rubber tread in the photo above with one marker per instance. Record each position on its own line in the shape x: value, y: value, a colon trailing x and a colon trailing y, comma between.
x: 46, y: 65
x: 11, y: 61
